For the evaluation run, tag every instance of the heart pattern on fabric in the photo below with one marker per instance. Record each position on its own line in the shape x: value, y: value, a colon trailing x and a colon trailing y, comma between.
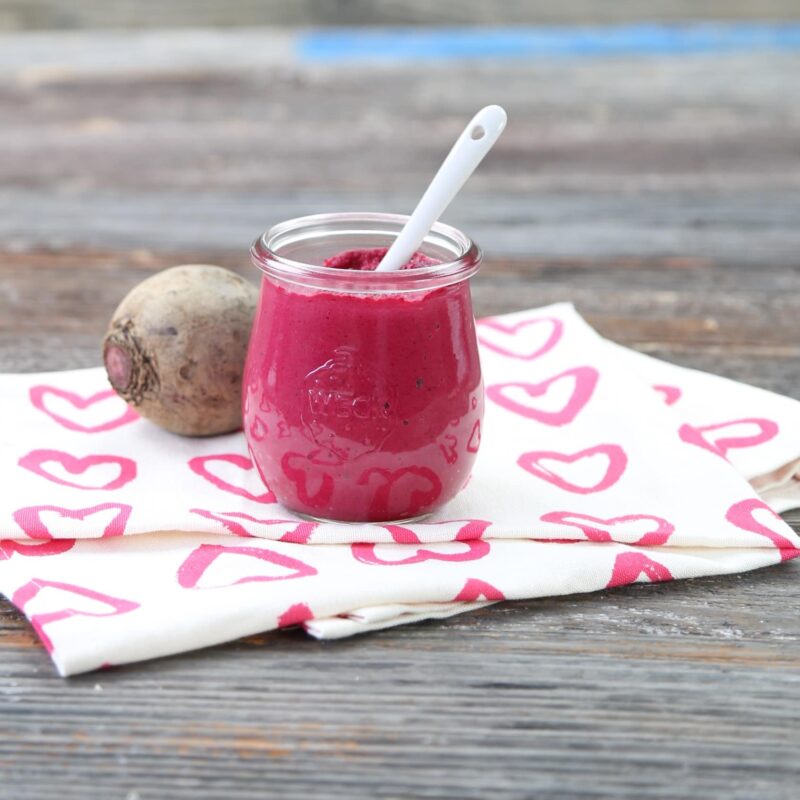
x: 52, y: 547
x: 121, y: 413
x: 445, y: 551
x: 258, y: 429
x: 559, y: 472
x: 724, y: 436
x: 526, y: 340
x: 290, y: 530
x: 54, y: 601
x: 204, y: 467
x: 580, y: 381
x: 449, y: 448
x: 475, y: 589
x: 30, y: 519
x: 474, y: 441
x: 296, y: 614
x: 742, y: 515
x: 192, y: 571
x: 671, y: 394
x: 629, y: 567
x: 469, y: 529
x: 40, y: 462
x: 626, y: 529
x: 314, y: 486
x: 406, y: 490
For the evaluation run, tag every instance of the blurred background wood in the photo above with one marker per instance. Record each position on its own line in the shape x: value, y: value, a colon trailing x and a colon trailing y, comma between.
x: 68, y: 14
x: 659, y: 193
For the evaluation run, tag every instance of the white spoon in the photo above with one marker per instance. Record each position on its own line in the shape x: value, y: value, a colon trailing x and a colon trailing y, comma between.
x: 474, y: 143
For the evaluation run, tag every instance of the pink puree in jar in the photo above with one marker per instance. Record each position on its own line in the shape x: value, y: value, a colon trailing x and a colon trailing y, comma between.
x: 359, y: 406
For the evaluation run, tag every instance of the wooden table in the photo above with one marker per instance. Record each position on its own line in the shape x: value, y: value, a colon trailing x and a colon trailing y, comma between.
x: 660, y: 194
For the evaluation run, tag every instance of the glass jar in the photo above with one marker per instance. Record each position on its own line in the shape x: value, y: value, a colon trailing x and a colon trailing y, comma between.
x: 363, y: 396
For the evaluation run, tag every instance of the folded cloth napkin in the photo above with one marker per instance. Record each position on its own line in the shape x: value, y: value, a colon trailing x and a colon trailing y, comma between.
x: 598, y: 467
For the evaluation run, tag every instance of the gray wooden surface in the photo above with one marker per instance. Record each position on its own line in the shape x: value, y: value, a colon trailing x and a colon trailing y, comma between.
x: 74, y: 14
x: 661, y: 195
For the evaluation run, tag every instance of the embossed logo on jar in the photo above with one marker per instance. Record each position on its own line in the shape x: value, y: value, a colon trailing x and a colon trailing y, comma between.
x: 345, y: 410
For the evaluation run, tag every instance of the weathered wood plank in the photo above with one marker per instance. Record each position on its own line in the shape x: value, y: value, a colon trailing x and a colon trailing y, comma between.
x: 584, y: 226
x: 152, y: 144
x: 134, y: 114
x: 35, y: 14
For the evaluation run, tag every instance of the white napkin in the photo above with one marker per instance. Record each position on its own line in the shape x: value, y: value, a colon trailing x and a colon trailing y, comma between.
x: 598, y: 467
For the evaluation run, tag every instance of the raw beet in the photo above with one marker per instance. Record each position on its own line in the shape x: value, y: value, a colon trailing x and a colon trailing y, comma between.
x: 176, y: 346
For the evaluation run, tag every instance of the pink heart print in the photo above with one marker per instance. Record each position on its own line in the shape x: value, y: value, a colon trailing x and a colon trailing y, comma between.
x: 628, y: 567
x: 295, y: 468
x: 474, y: 589
x: 671, y: 393
x: 471, y: 529
x: 296, y: 614
x: 49, y: 548
x: 475, y: 549
x: 615, y: 529
x: 583, y: 379
x: 298, y: 532
x: 449, y: 448
x: 36, y: 460
x: 525, y: 340
x: 200, y: 466
x: 418, y: 487
x: 258, y: 429
x: 767, y: 430
x: 474, y: 441
x: 200, y: 559
x: 742, y: 515
x: 613, y: 454
x: 37, y: 588
x: 30, y: 521
x: 124, y: 416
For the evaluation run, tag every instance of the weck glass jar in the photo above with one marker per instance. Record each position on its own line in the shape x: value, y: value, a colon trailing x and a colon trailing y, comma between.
x: 363, y: 397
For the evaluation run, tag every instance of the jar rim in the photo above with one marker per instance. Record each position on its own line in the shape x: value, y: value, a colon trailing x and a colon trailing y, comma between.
x: 265, y: 254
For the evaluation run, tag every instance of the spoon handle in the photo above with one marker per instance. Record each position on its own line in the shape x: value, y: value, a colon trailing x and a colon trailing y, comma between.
x: 471, y: 146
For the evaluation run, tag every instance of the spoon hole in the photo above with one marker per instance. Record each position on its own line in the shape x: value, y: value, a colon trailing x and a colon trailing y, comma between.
x: 478, y: 132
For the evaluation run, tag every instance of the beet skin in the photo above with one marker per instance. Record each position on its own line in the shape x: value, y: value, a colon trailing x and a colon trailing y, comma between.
x: 176, y: 346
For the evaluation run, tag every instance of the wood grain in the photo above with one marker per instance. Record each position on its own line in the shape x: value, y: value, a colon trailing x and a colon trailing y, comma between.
x: 68, y: 14
x: 661, y: 195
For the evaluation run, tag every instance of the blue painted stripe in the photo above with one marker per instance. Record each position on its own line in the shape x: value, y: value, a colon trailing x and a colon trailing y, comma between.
x: 442, y: 44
